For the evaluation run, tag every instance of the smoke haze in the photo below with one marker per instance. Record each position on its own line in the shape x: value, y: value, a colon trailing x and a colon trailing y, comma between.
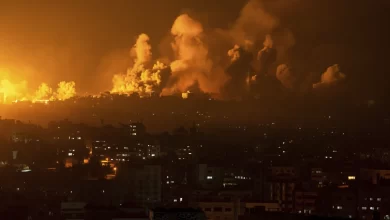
x: 90, y: 43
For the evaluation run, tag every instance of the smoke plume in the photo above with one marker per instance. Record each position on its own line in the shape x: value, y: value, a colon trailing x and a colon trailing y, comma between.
x: 285, y: 75
x: 331, y: 76
x: 234, y: 53
x: 253, y: 22
x: 138, y: 78
x: 192, y: 64
x: 266, y: 56
x: 142, y: 50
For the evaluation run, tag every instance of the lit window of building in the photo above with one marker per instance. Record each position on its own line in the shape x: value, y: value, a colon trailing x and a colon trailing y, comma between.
x: 351, y: 177
x: 371, y: 208
x: 209, y: 177
x: 378, y: 199
x: 364, y: 208
x: 339, y: 207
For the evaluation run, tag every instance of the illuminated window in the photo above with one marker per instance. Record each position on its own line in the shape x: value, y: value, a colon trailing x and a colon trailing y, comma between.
x: 339, y: 207
x: 351, y: 177
x: 70, y: 154
x: 371, y: 208
x: 209, y: 177
x: 364, y: 208
x: 134, y: 134
x: 378, y: 199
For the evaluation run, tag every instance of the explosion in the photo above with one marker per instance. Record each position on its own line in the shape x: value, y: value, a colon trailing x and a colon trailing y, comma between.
x: 12, y: 92
x: 192, y: 65
x: 44, y: 92
x: 19, y: 92
x: 66, y: 90
x: 138, y: 78
x: 221, y: 62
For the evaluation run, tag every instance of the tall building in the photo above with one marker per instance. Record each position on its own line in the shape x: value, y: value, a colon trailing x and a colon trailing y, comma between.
x: 147, y: 184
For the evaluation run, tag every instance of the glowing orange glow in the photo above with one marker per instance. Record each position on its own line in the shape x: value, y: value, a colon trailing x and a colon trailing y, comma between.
x: 138, y: 78
x: 184, y: 95
x: 15, y: 92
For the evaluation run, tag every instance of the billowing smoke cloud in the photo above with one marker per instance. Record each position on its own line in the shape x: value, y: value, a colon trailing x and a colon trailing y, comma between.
x: 139, y: 79
x: 331, y: 76
x: 254, y: 22
x: 234, y: 53
x: 142, y: 50
x: 285, y: 75
x: 66, y: 90
x: 196, y: 62
x: 192, y: 64
x: 267, y: 55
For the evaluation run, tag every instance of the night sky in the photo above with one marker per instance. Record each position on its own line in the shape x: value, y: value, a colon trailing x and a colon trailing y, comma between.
x: 71, y: 40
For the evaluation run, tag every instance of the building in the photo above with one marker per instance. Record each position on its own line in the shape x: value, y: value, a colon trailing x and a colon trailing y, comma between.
x: 147, y: 184
x: 281, y: 185
x: 185, y: 153
x: 72, y: 210
x: 137, y: 129
x: 337, y: 202
x: 374, y: 198
x: 374, y: 175
x: 208, y: 177
x: 153, y: 150
x: 176, y: 213
x: 232, y: 208
x: 305, y: 201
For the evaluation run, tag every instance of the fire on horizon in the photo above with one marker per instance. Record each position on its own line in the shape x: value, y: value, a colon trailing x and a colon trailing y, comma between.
x: 222, y: 62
